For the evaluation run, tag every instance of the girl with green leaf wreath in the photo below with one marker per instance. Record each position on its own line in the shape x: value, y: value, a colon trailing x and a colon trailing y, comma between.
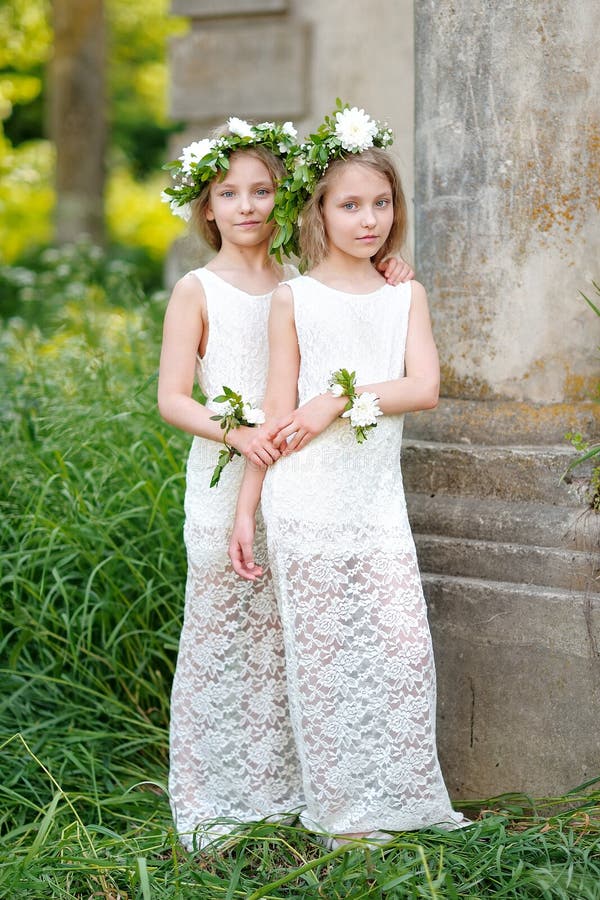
x: 232, y: 751
x: 349, y: 355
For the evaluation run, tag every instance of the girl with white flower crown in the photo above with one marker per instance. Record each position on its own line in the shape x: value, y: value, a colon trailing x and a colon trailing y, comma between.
x: 349, y: 355
x: 232, y: 752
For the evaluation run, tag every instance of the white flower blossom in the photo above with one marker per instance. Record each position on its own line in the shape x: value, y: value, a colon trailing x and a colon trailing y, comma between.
x: 289, y: 130
x: 252, y: 414
x: 184, y: 211
x: 364, y: 410
x: 355, y: 129
x: 194, y: 153
x: 240, y: 127
x: 337, y: 390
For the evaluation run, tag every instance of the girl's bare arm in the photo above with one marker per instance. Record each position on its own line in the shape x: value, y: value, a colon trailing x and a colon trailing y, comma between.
x: 419, y: 387
x: 280, y: 397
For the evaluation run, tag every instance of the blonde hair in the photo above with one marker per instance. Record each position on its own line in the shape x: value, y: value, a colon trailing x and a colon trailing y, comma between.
x: 313, y: 237
x: 207, y: 229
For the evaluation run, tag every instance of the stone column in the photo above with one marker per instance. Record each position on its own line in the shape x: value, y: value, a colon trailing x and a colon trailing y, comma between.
x: 508, y: 193
x: 508, y: 220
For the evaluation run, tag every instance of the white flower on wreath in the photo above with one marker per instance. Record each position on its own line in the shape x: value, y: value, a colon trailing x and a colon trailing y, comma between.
x: 239, y: 127
x: 290, y: 132
x: 364, y: 410
x: 184, y: 211
x: 252, y: 414
x: 355, y: 129
x: 194, y: 153
x: 336, y: 389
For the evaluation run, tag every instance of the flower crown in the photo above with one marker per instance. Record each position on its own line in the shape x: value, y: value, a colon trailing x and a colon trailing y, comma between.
x: 202, y: 160
x: 347, y: 130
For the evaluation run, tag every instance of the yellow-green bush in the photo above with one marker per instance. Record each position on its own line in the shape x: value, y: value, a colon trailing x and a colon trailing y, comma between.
x: 26, y: 197
x: 137, y: 217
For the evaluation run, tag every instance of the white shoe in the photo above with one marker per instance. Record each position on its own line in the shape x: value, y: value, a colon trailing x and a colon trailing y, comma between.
x: 334, y: 843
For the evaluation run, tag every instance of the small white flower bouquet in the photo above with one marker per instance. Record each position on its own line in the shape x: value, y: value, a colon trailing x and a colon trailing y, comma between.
x: 233, y: 413
x: 361, y: 409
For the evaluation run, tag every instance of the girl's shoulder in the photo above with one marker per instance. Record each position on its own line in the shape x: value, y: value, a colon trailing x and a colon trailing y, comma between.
x: 190, y: 284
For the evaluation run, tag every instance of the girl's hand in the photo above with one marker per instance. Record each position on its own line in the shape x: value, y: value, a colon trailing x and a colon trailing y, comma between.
x: 395, y: 270
x: 256, y: 444
x: 309, y: 420
x: 241, y: 548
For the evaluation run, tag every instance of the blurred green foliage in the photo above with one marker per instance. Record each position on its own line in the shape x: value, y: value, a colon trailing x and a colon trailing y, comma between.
x: 138, y: 32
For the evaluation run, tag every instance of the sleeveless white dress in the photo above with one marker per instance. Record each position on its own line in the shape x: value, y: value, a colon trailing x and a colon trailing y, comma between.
x: 360, y: 668
x: 232, y: 750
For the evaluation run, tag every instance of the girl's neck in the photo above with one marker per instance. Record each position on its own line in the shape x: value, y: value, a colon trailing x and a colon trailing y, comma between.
x: 243, y: 259
x: 348, y: 274
x: 250, y: 269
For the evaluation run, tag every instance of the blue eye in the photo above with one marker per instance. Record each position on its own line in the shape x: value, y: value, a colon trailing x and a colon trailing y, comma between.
x: 350, y: 205
x: 382, y: 203
x: 227, y: 194
x: 262, y: 192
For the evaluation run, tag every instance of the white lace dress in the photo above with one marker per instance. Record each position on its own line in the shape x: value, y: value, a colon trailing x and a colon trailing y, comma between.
x: 360, y: 668
x: 232, y: 751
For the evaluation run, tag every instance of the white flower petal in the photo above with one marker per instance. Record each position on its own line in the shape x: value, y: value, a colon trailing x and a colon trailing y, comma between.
x: 355, y: 129
x: 288, y: 128
x: 253, y: 415
x: 194, y: 153
x: 184, y: 211
x: 364, y: 410
x: 239, y: 127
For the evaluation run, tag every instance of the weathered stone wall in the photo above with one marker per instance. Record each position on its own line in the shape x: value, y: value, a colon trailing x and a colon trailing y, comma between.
x: 508, y: 219
x: 508, y: 192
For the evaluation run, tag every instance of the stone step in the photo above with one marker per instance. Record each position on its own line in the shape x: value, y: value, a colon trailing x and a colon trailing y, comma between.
x: 568, y: 621
x: 571, y: 570
x: 518, y: 677
x: 503, y: 422
x: 504, y: 473
x: 519, y: 522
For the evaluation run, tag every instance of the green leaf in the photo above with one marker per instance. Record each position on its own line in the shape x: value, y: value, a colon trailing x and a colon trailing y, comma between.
x: 216, y: 475
x: 589, y: 302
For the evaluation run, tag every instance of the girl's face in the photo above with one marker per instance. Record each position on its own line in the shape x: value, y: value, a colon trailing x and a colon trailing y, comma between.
x: 358, y: 211
x: 240, y: 204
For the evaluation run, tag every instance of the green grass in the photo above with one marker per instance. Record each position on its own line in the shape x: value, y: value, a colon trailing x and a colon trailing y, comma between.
x: 91, y: 577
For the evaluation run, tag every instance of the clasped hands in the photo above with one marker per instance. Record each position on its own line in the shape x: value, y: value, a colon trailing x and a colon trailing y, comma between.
x: 264, y: 445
